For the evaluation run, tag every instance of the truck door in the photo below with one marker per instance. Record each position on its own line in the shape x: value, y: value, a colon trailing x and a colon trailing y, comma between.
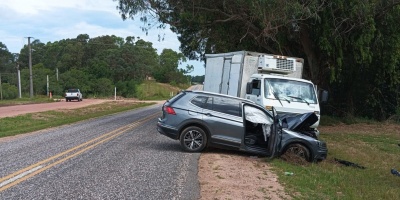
x: 225, y: 76
x: 213, y: 78
x: 235, y: 76
x: 256, y: 93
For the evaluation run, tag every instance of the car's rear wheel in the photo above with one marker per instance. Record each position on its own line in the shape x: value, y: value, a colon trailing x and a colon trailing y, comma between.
x: 297, y: 153
x: 193, y: 139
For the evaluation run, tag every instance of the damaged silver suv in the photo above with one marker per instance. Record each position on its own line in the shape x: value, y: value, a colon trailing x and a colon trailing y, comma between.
x: 199, y: 119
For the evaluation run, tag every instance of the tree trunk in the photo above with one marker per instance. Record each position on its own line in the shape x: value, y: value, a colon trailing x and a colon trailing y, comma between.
x: 312, y: 58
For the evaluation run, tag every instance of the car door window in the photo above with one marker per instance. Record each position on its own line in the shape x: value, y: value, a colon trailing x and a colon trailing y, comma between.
x: 227, y: 106
x: 200, y: 101
x: 223, y: 119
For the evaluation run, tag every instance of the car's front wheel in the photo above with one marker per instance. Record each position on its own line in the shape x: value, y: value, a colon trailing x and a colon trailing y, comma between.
x: 193, y: 139
x: 297, y: 153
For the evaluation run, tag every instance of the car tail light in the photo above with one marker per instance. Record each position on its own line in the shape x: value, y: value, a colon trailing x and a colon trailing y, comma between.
x: 169, y: 110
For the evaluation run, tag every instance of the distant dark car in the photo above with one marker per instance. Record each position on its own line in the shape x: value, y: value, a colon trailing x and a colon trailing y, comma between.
x: 200, y: 119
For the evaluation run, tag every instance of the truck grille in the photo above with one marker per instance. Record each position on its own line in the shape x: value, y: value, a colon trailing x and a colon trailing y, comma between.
x: 284, y: 64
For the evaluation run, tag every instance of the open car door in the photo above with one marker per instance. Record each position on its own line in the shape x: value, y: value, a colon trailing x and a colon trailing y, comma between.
x: 275, y: 137
x: 270, y: 126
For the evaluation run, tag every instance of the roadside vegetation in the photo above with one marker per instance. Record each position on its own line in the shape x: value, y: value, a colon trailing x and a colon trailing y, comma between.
x: 150, y: 90
x: 371, y: 149
x: 94, y: 65
x: 37, y: 121
x: 25, y: 100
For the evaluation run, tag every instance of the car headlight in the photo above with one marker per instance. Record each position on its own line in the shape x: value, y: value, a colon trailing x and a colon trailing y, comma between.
x: 321, y: 144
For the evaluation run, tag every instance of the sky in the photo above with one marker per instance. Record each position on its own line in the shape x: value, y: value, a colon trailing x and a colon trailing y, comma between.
x: 54, y: 20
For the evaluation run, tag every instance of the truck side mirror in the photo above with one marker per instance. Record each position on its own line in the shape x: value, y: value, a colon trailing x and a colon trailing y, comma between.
x: 324, y: 96
x: 249, y: 88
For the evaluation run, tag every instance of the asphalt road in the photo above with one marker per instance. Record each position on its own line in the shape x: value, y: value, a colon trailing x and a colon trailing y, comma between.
x: 120, y: 156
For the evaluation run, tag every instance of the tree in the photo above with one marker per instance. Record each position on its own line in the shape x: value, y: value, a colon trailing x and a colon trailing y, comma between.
x: 340, y: 40
x: 102, y: 87
x: 166, y: 72
x: 6, y: 59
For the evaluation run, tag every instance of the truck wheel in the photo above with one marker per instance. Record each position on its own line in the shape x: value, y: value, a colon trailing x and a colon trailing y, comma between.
x: 66, y: 100
x: 193, y: 139
x: 297, y: 153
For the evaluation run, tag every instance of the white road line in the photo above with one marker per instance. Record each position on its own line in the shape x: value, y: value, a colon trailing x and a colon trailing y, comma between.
x: 19, y: 176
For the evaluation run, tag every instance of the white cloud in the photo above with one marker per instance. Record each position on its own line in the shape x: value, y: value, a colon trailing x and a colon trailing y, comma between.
x: 53, y: 20
x: 34, y: 7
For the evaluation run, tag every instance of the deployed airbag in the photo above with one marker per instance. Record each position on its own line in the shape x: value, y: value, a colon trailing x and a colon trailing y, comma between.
x: 257, y: 116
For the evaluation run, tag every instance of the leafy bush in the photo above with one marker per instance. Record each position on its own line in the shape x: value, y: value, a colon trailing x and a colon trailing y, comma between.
x: 103, y: 87
x: 127, y: 88
x: 9, y: 91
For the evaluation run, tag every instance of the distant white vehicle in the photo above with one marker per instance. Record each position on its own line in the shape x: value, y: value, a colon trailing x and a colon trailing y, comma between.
x: 73, y: 94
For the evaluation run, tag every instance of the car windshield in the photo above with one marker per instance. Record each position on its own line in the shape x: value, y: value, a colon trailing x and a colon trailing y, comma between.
x: 290, y: 90
x: 72, y: 90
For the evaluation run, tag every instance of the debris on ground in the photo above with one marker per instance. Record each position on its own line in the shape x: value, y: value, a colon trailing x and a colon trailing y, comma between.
x: 349, y: 164
x: 395, y: 172
x: 289, y: 173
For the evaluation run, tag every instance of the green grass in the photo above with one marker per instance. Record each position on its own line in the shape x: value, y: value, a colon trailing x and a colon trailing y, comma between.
x: 372, y: 145
x: 150, y: 90
x: 37, y: 121
x: 26, y: 100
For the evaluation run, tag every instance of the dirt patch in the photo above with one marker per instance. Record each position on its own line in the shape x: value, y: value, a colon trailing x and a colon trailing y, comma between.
x: 231, y: 175
x: 10, y: 111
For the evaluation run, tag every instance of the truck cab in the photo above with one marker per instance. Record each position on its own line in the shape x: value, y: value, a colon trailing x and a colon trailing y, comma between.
x: 290, y: 96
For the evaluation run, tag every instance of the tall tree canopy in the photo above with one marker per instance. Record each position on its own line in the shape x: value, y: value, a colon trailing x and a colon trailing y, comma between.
x: 95, y: 65
x: 351, y: 47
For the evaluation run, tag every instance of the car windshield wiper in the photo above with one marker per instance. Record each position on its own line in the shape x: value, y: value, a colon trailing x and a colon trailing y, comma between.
x: 300, y: 99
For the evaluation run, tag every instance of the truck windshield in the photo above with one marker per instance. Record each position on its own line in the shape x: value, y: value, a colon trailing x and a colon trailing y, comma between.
x: 290, y: 90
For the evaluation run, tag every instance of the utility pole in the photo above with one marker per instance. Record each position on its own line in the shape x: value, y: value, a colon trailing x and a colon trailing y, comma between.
x: 30, y: 69
x: 19, y: 81
x: 1, y: 89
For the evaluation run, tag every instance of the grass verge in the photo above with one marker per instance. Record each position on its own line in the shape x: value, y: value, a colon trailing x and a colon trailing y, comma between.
x: 25, y: 100
x: 371, y: 145
x: 37, y: 121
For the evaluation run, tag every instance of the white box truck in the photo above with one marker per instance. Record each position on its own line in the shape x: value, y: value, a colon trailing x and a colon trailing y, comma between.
x: 269, y: 80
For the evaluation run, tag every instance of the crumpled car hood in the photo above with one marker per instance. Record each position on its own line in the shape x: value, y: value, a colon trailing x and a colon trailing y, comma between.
x: 300, y: 122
